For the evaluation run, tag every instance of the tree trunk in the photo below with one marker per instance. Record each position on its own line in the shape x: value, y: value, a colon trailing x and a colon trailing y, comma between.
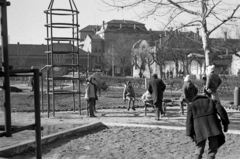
x: 149, y: 68
x: 206, y: 47
x: 176, y: 67
x: 160, y: 70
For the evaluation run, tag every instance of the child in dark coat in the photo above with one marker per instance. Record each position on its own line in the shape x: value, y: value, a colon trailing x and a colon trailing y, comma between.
x: 204, y: 119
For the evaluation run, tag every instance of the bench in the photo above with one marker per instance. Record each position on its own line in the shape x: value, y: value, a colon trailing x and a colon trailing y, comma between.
x: 150, y: 104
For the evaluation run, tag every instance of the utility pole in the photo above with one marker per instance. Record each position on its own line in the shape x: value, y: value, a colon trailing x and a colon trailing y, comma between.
x: 113, y: 61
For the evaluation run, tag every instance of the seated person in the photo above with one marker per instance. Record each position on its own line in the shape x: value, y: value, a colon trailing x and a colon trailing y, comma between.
x: 129, y: 94
x: 189, y: 91
x: 147, y: 98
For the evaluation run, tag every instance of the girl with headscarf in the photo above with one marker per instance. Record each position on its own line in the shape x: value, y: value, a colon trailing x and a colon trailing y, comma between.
x: 189, y: 91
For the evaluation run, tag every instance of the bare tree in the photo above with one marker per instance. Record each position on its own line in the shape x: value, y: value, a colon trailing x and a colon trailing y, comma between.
x: 208, y: 15
x: 143, y: 57
x: 119, y: 51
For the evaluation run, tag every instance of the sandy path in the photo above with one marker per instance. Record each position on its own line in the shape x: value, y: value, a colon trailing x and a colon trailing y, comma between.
x: 131, y: 143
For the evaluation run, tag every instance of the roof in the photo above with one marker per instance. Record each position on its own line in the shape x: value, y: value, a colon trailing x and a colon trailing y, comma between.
x: 90, y: 28
x: 33, y: 49
x: 124, y: 21
x: 95, y: 37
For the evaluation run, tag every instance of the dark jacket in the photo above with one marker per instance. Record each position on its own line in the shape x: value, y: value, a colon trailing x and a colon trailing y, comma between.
x: 156, y: 88
x: 189, y: 91
x: 213, y: 82
x: 202, y: 120
x: 128, y: 92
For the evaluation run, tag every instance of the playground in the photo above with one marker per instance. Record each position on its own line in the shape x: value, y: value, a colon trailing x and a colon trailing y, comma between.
x: 121, y: 134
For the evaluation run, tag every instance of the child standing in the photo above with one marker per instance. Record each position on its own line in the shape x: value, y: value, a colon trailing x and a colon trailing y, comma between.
x: 90, y: 95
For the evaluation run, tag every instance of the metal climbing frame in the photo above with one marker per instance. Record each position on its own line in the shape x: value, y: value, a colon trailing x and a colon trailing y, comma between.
x: 53, y: 40
x: 8, y: 129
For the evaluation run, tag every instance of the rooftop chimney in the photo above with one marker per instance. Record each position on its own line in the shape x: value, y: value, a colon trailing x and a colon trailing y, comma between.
x: 197, y: 34
x: 225, y: 36
x: 103, y: 25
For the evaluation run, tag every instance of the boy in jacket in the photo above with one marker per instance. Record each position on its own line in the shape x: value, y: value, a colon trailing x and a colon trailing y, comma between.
x: 203, y: 124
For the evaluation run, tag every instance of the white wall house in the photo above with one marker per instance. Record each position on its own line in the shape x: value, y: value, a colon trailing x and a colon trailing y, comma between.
x: 169, y: 65
x: 235, y: 65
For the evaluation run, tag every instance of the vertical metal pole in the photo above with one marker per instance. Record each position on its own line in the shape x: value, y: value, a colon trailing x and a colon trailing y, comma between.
x: 42, y: 90
x: 113, y: 70
x: 5, y: 68
x: 37, y: 114
x: 47, y: 73
x: 52, y: 62
x: 79, y: 84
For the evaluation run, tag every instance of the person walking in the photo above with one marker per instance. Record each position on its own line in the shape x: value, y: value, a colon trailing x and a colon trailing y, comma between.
x: 90, y: 95
x: 213, y: 82
x: 189, y: 91
x: 156, y: 88
x: 31, y: 80
x: 204, y: 118
x: 129, y: 94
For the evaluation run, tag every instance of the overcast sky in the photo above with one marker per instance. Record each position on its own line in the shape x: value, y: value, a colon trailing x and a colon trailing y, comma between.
x: 26, y: 18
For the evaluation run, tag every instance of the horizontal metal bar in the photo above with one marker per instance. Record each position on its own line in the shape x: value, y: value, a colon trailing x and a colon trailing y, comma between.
x: 62, y: 39
x: 61, y: 52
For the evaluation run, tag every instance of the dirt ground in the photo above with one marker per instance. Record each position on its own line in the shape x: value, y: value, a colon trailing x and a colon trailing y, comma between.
x: 128, y: 142
x: 131, y: 143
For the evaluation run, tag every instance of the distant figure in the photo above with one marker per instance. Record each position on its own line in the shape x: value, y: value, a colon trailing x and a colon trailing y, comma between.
x: 129, y: 94
x: 156, y: 88
x: 167, y: 74
x: 31, y: 81
x: 90, y: 95
x: 171, y: 74
x: 189, y: 91
x: 204, y: 119
x: 213, y: 82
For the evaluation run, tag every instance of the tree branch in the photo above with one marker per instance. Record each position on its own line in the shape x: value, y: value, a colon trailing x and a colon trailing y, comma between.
x: 182, y: 8
x: 211, y: 9
x: 225, y: 20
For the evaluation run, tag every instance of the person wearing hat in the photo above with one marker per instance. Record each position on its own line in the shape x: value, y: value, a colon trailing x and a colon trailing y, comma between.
x: 213, y: 82
x: 156, y: 88
x: 129, y: 94
x: 189, y: 91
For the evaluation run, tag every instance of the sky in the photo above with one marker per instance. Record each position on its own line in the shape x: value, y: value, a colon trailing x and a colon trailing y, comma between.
x: 26, y: 18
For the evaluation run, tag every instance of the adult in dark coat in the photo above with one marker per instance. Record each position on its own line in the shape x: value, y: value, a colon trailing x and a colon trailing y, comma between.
x: 203, y: 124
x: 156, y: 88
